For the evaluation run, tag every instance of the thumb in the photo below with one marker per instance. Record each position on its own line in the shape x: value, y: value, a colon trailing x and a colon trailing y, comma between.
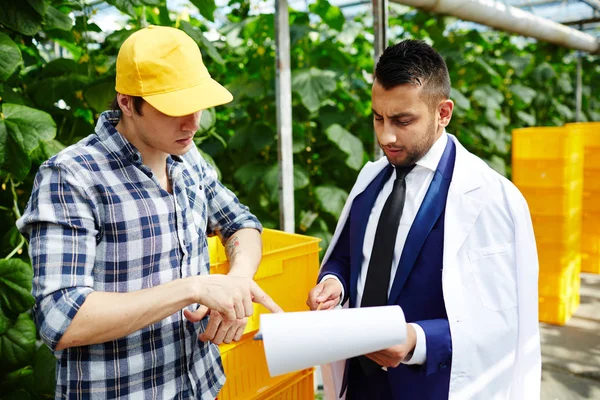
x: 197, y: 315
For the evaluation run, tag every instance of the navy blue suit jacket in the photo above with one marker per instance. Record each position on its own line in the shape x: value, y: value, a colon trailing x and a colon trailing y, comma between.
x: 417, y: 286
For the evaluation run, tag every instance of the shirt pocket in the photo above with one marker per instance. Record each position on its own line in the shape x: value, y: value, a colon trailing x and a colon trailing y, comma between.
x: 494, y: 271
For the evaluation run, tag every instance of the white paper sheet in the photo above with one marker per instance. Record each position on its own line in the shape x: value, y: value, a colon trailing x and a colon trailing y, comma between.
x: 294, y: 341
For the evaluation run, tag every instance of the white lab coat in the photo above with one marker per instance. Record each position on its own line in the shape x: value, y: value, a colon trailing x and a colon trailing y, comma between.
x: 489, y: 281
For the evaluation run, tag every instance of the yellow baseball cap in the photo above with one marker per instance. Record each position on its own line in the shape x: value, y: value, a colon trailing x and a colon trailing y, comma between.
x: 164, y: 66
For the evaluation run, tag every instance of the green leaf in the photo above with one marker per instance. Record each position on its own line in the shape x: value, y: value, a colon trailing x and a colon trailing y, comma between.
x: 301, y: 179
x: 100, y: 95
x: 349, y: 144
x: 460, y: 99
x: 55, y: 19
x: 15, y: 286
x: 125, y: 6
x: 493, y: 136
x: 331, y: 15
x: 488, y: 97
x: 210, y: 161
x: 207, y: 120
x: 17, y: 345
x: 21, y: 130
x: 313, y: 85
x: 203, y: 42
x: 48, y: 91
x: 498, y: 164
x: 527, y: 118
x: 564, y: 111
x: 10, y: 57
x: 20, y: 394
x: 249, y: 175
x: 331, y: 199
x: 526, y: 94
x: 564, y: 83
x: 44, y: 366
x: 50, y: 148
x: 544, y: 73
x: 40, y: 6
x: 520, y: 63
x: 4, y: 322
x: 496, y: 118
x: 207, y: 8
x: 20, y: 17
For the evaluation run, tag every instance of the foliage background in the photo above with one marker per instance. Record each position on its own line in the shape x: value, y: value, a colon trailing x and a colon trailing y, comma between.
x: 57, y: 74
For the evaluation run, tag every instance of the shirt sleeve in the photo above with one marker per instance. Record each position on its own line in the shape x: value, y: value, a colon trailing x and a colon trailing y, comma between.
x: 226, y: 215
x: 330, y: 276
x: 419, y: 355
x: 59, y: 222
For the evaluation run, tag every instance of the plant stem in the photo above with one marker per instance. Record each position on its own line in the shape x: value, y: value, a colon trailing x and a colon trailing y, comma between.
x: 15, y: 203
x: 16, y: 249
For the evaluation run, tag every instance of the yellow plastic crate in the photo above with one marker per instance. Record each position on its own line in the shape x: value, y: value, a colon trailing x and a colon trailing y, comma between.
x: 591, y: 161
x: 246, y: 369
x: 590, y: 244
x: 590, y: 263
x: 546, y: 143
x: 300, y: 386
x: 554, y: 202
x: 590, y: 223
x: 554, y: 258
x: 557, y: 229
x: 547, y: 173
x: 287, y: 272
x: 590, y: 132
x: 591, y: 201
x: 591, y: 178
x: 562, y: 283
x: 555, y: 310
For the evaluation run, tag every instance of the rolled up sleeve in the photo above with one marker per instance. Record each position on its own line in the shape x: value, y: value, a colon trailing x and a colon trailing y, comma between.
x: 59, y: 222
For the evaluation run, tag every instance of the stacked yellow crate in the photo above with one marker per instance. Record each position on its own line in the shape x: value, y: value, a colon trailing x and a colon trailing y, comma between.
x: 547, y: 167
x: 590, y: 241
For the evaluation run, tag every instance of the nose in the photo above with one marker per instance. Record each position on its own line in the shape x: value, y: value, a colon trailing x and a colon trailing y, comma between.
x: 387, y: 135
x: 191, y: 123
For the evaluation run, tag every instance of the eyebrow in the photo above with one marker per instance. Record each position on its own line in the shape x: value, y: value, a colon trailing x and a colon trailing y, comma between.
x: 395, y: 116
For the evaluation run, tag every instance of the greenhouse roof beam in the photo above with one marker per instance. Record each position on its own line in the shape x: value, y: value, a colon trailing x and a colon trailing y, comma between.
x: 510, y: 19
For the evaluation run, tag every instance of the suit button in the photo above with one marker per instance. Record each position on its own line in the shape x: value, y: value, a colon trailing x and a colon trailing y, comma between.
x: 442, y: 365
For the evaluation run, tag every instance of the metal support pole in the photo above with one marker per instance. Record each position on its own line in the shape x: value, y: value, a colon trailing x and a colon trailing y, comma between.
x: 284, y: 117
x: 578, y: 89
x: 379, y: 45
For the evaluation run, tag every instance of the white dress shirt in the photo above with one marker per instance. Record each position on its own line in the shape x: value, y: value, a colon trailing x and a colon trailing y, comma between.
x: 417, y: 184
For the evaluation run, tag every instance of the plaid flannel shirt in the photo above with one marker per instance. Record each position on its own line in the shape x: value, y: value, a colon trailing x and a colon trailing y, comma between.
x: 98, y: 219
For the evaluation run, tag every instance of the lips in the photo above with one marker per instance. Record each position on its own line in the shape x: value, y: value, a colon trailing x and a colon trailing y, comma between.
x: 185, y: 141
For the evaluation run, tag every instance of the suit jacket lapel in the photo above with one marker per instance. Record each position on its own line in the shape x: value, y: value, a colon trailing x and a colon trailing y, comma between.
x: 432, y: 207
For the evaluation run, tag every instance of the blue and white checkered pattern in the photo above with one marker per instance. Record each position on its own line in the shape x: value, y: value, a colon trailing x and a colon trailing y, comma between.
x: 99, y: 220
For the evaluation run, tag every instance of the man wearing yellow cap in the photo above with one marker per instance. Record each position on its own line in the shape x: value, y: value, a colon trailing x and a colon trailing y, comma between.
x: 117, y: 226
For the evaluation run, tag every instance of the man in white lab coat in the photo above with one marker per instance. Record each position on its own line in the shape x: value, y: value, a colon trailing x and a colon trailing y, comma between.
x: 432, y: 228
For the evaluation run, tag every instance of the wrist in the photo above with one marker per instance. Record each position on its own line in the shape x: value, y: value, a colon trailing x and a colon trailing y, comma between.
x: 194, y: 288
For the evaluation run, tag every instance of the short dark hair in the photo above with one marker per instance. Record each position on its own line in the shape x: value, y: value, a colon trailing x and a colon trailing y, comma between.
x: 137, y: 104
x: 415, y: 62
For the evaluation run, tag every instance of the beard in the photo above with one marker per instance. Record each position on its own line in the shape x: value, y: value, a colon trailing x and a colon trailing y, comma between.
x: 414, y: 154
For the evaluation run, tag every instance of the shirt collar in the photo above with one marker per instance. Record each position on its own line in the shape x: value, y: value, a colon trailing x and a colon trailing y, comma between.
x: 432, y: 158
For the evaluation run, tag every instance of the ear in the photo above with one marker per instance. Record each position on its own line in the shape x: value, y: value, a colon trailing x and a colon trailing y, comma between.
x: 445, y: 112
x: 126, y: 104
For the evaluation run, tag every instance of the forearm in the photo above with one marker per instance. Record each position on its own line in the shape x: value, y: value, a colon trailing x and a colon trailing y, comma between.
x: 244, y: 252
x: 107, y: 316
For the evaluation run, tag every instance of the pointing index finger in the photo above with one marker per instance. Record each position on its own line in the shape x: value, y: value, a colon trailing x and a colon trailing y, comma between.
x: 259, y: 296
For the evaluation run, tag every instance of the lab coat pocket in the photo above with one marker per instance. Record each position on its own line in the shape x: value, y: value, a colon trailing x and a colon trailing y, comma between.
x: 493, y: 269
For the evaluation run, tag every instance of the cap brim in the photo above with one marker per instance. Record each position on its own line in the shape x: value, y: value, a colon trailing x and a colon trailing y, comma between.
x: 205, y: 95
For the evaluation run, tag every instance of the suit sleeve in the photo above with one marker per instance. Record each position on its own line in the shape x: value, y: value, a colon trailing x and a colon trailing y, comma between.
x: 338, y: 263
x: 438, y: 344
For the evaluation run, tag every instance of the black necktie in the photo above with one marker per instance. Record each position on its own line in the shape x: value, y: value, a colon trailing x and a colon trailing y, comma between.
x: 380, y: 265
